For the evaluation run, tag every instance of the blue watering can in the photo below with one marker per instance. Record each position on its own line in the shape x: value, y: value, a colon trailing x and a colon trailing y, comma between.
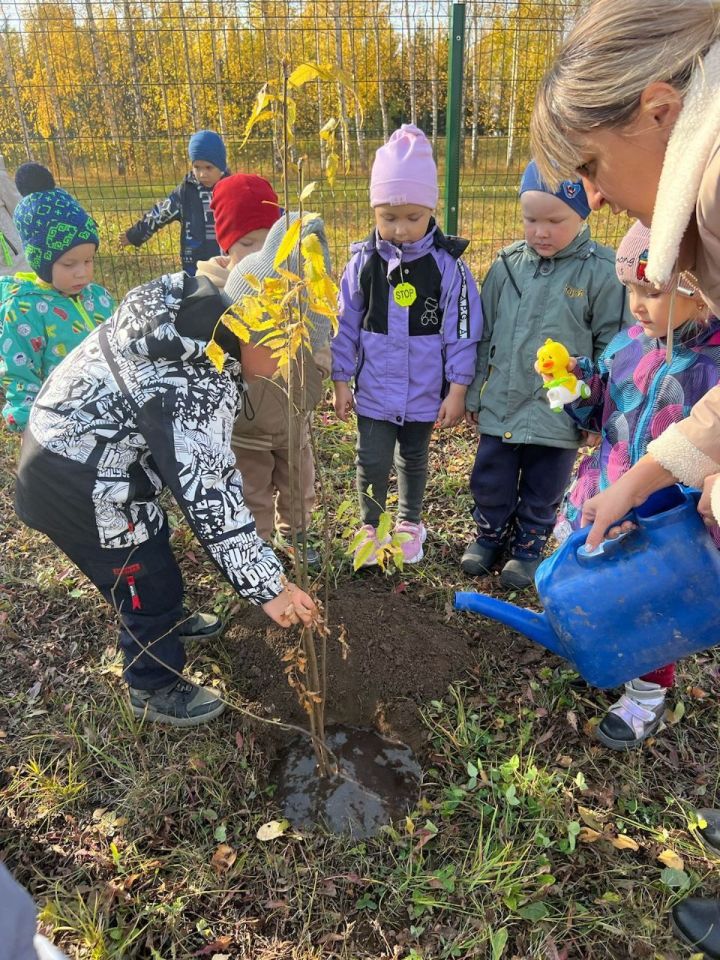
x: 648, y: 598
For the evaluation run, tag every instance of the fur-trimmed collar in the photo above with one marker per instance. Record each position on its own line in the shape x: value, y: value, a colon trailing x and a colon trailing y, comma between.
x: 688, y: 151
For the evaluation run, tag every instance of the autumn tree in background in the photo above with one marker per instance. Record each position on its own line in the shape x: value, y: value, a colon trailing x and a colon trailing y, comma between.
x: 121, y: 83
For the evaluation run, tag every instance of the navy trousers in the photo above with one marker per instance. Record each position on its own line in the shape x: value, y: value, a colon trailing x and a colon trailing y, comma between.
x: 517, y: 489
x: 144, y: 585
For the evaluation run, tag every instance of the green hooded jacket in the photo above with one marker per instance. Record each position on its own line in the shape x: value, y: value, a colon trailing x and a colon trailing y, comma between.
x: 38, y: 327
x: 574, y: 297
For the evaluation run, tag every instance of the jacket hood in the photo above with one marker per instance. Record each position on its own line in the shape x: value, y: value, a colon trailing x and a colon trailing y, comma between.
x: 171, y: 318
x: 30, y: 285
x: 434, y: 238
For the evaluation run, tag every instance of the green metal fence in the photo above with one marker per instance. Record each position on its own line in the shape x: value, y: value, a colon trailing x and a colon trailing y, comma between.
x: 107, y: 93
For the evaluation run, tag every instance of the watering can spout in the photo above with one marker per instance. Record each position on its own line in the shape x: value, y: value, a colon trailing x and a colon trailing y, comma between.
x: 533, y: 625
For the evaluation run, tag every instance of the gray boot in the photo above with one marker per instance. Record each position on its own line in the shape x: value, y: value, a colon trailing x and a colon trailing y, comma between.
x: 180, y: 704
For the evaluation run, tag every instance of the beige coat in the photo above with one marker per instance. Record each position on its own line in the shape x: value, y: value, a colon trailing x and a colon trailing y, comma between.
x: 690, y: 450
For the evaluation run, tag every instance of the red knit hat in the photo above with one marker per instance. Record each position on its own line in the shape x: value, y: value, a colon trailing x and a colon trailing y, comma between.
x: 241, y: 203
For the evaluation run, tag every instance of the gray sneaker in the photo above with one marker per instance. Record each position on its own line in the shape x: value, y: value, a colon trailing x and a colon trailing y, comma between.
x: 200, y: 626
x: 284, y: 544
x: 181, y: 704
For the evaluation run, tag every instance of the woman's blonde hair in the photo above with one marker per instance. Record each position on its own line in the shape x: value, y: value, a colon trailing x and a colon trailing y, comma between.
x: 615, y: 49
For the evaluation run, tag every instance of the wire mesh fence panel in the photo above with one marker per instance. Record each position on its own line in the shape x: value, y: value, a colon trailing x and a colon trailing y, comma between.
x: 108, y: 93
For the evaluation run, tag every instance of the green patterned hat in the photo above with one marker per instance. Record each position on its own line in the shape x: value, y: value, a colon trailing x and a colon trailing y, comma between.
x: 49, y: 220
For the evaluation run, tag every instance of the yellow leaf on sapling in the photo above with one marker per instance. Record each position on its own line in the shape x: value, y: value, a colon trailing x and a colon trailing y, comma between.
x: 215, y: 355
x: 287, y: 244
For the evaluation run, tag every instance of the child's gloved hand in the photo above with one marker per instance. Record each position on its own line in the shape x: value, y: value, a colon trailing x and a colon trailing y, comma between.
x: 292, y: 606
x: 452, y: 409
x: 344, y: 401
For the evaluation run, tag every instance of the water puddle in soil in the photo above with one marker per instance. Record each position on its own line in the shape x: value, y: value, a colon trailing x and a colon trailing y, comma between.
x: 380, y: 782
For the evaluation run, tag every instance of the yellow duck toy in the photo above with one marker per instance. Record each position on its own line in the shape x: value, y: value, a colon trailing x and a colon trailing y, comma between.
x: 562, y: 386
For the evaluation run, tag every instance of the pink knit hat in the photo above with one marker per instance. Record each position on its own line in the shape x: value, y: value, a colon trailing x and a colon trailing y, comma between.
x: 632, y: 257
x: 404, y: 170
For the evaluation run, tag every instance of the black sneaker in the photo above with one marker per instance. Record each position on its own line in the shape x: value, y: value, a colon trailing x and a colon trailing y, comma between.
x: 200, y: 626
x: 478, y: 559
x: 518, y: 573
x: 181, y: 704
x: 280, y: 542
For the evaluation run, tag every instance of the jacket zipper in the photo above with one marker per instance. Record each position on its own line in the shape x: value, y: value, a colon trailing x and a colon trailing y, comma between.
x: 84, y: 314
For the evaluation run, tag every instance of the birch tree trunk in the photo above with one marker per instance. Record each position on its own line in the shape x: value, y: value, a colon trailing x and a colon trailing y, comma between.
x: 411, y: 62
x: 217, y: 65
x: 344, y: 126
x: 381, y: 82
x: 12, y: 84
x: 105, y: 88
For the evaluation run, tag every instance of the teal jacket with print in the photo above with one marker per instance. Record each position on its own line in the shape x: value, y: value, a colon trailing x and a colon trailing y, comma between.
x: 574, y: 297
x: 39, y: 326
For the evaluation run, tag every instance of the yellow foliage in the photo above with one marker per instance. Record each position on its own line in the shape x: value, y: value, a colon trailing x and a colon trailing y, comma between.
x: 289, y: 241
x: 216, y: 355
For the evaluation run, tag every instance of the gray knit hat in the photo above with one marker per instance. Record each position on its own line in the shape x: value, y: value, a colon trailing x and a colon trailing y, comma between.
x: 260, y: 265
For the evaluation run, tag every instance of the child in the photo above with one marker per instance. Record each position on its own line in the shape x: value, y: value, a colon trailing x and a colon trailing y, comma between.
x: 556, y: 283
x: 136, y: 409
x: 45, y: 314
x: 410, y: 320
x: 12, y: 258
x: 635, y: 396
x: 247, y: 222
x: 189, y: 204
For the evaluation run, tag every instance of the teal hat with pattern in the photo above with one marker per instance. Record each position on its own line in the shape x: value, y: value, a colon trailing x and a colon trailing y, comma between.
x: 49, y: 220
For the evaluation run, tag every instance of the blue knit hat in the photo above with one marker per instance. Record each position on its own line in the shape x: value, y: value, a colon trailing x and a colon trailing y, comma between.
x: 208, y: 146
x: 571, y: 192
x: 50, y: 222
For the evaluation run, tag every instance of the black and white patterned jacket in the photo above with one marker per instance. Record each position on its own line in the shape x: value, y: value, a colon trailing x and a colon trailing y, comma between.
x: 135, y: 408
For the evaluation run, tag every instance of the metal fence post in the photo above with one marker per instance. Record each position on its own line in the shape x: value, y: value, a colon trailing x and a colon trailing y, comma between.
x: 453, y: 125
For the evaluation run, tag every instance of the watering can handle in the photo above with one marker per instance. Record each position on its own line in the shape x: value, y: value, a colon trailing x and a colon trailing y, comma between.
x: 605, y: 549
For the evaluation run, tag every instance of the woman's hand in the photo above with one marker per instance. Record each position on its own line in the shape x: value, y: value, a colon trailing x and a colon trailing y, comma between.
x: 344, y: 400
x: 705, y: 507
x: 291, y: 606
x: 633, y: 488
x: 123, y: 240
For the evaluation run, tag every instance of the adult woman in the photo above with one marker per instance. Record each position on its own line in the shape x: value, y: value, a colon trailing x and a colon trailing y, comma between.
x: 644, y: 133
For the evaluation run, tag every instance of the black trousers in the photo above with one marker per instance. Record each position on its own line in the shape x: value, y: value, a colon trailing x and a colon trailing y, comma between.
x: 517, y: 489
x: 379, y: 444
x: 144, y: 585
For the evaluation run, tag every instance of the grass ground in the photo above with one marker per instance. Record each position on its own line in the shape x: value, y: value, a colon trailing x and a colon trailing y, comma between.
x: 528, y: 840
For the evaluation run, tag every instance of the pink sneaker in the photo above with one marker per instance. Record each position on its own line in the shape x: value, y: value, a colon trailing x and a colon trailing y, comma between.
x: 412, y: 546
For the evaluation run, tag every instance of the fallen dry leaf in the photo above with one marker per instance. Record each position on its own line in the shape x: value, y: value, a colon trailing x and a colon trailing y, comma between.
x: 223, y: 858
x: 272, y: 829
x: 592, y: 819
x: 588, y: 835
x: 671, y: 859
x: 625, y: 843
